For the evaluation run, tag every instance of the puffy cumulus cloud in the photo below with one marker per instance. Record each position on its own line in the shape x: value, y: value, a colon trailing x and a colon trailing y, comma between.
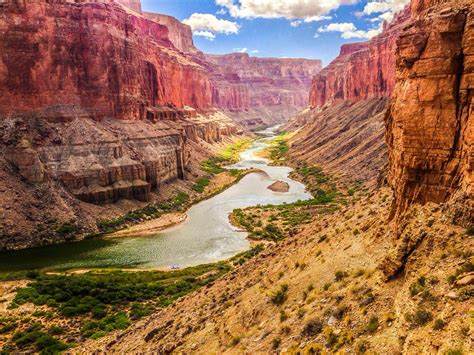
x: 385, y: 8
x: 348, y: 30
x: 207, y: 25
x: 289, y: 9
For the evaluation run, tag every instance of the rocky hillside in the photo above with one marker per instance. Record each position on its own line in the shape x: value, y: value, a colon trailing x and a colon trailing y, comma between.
x: 344, y: 128
x: 345, y: 137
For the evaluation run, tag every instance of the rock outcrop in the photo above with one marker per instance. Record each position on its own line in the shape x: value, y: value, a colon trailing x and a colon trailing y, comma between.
x: 362, y: 70
x: 259, y: 91
x: 179, y: 33
x: 430, y: 130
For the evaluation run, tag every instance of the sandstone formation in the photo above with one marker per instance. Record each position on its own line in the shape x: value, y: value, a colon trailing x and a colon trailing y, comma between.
x: 362, y: 70
x: 121, y: 67
x: 430, y: 129
x: 178, y: 33
x: 260, y: 91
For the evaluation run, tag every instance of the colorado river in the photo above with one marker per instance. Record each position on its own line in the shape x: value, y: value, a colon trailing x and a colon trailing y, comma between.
x: 205, y: 236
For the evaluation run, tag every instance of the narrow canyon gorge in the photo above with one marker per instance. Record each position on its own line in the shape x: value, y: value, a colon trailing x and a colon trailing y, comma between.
x: 106, y: 110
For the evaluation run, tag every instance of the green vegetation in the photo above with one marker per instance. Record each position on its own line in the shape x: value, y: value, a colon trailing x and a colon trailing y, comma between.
x: 34, y: 337
x: 201, y: 184
x: 67, y: 229
x: 230, y: 153
x: 148, y: 212
x: 242, y: 258
x: 373, y: 324
x: 419, y: 318
x: 279, y: 147
x: 279, y: 297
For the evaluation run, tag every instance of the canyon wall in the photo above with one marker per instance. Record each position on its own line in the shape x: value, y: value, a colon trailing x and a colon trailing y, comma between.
x: 345, y: 138
x: 362, y: 70
x: 343, y: 131
x: 120, y: 67
x: 430, y: 129
x: 261, y: 91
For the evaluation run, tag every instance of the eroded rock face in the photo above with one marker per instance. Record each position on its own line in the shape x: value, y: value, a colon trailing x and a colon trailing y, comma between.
x: 362, y: 70
x: 430, y: 129
x: 179, y: 34
x: 262, y: 89
x: 97, y: 56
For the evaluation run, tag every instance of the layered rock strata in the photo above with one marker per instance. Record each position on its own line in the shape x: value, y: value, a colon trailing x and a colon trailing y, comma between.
x: 97, y: 56
x: 260, y: 91
x: 362, y: 70
x: 430, y: 129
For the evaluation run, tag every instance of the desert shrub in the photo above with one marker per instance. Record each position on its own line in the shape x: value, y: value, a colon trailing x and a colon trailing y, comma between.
x: 340, y: 275
x: 279, y: 297
x: 373, y: 324
x: 276, y: 343
x: 312, y: 327
x: 438, y: 324
x: 419, y: 318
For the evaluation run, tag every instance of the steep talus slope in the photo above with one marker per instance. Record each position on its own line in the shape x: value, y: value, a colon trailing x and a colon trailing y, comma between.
x: 345, y: 137
x: 430, y: 128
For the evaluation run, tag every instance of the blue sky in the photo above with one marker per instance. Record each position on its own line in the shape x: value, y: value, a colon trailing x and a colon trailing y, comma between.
x: 277, y: 28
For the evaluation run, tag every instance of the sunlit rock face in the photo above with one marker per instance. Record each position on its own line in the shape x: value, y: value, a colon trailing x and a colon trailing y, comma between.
x: 260, y: 90
x: 362, y: 70
x: 98, y: 99
x: 430, y: 128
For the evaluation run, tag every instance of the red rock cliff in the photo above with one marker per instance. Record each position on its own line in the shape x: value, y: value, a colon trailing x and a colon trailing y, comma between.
x: 271, y: 88
x: 180, y: 34
x: 430, y: 130
x: 362, y: 70
x: 97, y: 56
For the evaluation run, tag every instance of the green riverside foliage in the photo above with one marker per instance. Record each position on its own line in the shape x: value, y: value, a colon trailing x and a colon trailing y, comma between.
x: 201, y: 184
x: 151, y: 211
x: 41, y: 341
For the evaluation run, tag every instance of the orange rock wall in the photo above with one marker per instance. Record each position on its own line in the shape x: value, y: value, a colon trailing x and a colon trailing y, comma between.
x: 430, y: 130
x: 362, y: 70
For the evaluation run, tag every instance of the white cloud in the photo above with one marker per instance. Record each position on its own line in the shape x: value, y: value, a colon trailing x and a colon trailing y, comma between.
x: 386, y: 8
x: 255, y: 51
x: 207, y: 25
x: 221, y: 12
x: 349, y: 30
x: 338, y: 27
x: 295, y: 23
x: 240, y: 50
x: 289, y: 9
x: 316, y: 35
x: 206, y: 34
